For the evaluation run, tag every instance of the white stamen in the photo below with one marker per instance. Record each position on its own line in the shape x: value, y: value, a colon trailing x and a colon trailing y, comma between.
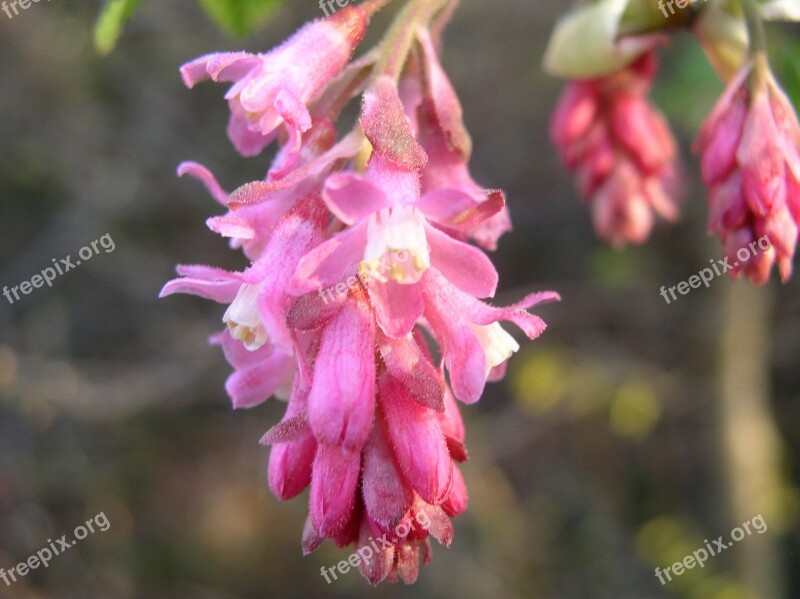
x: 497, y: 344
x: 397, y: 248
x: 244, y: 319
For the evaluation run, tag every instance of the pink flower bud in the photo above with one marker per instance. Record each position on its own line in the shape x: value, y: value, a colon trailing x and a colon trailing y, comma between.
x: 750, y: 148
x: 621, y: 150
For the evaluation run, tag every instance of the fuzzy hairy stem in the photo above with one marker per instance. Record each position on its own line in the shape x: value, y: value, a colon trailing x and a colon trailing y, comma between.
x: 399, y: 41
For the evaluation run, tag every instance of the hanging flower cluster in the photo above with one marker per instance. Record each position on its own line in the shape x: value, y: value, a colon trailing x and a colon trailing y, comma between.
x: 624, y: 155
x: 621, y: 150
x: 363, y: 305
x: 750, y: 148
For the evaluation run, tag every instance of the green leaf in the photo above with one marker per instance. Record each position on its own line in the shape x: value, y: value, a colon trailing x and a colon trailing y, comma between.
x: 240, y: 17
x: 110, y: 22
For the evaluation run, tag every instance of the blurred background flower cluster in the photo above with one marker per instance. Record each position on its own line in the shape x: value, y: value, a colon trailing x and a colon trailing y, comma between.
x: 628, y: 434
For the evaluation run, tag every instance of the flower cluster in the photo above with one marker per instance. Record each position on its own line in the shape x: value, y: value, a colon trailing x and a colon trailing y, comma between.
x: 372, y: 375
x: 621, y: 150
x: 624, y: 155
x: 750, y: 149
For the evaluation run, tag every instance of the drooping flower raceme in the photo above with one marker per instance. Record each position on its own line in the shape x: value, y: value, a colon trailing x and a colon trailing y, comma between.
x: 623, y: 153
x: 750, y: 147
x: 386, y: 212
x: 621, y: 150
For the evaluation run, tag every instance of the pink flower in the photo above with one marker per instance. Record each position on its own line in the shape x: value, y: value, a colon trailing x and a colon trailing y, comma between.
x: 444, y: 137
x: 387, y: 218
x: 472, y: 340
x: 621, y: 150
x: 750, y: 148
x: 380, y: 470
x: 255, y: 208
x: 275, y: 89
x: 258, y: 343
x: 372, y: 426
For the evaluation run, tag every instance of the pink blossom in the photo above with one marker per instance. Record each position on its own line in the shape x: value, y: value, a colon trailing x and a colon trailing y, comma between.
x: 385, y: 216
x: 621, y: 150
x: 372, y: 426
x: 750, y: 149
x: 275, y: 88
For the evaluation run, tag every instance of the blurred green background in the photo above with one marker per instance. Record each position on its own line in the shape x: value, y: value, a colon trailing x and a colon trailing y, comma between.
x: 624, y: 437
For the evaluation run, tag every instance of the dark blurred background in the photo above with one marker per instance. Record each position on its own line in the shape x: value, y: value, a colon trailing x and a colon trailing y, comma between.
x: 624, y: 437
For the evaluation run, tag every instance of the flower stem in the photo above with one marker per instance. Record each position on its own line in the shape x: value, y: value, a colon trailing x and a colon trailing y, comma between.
x: 399, y: 41
x: 755, y: 27
x: 373, y: 6
x: 758, y: 42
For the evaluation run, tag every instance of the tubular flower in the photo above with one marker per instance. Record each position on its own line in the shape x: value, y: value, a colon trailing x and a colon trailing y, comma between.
x: 621, y: 150
x: 750, y: 148
x: 361, y: 272
x: 274, y: 89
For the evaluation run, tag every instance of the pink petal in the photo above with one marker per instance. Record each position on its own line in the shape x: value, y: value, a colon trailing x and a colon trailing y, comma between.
x: 333, y: 488
x: 462, y: 352
x: 387, y: 128
x: 202, y: 174
x: 418, y: 442
x: 531, y: 325
x: 352, y: 199
x: 331, y: 262
x: 314, y: 310
x: 397, y: 307
x: 575, y: 113
x: 377, y: 566
x: 252, y: 386
x: 342, y: 400
x: 719, y: 153
x: 458, y: 209
x: 231, y: 226
x: 286, y: 431
x: 218, y: 67
x: 207, y: 282
x: 721, y: 107
x: 290, y: 467
x: 295, y: 234
x: 260, y: 191
x: 407, y: 363
x: 407, y: 561
x: 386, y: 496
x: 445, y: 99
x: 349, y: 534
x: 293, y: 111
x: 222, y: 292
x: 440, y: 526
x: 463, y: 265
x: 760, y: 160
x: 288, y: 156
x: 450, y: 420
x: 311, y: 538
x: 247, y: 142
x: 458, y: 500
